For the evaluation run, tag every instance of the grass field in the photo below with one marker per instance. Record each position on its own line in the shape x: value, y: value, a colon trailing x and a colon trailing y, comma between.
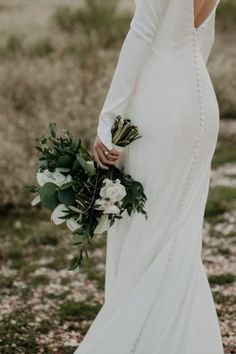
x: 56, y: 63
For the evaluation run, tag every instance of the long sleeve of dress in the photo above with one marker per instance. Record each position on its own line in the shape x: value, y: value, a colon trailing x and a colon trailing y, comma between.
x: 135, y: 47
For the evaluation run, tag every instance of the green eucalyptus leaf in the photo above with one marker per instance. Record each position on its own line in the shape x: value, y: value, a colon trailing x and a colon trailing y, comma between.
x: 65, y: 161
x: 77, y: 239
x: 76, y: 165
x: 84, y: 151
x: 87, y: 166
x: 48, y: 196
x: 63, y: 169
x: 129, y: 209
x: 67, y: 196
x: 66, y: 185
x: 75, y: 263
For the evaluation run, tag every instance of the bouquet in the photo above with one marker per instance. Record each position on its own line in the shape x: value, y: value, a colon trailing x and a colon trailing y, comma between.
x: 81, y: 194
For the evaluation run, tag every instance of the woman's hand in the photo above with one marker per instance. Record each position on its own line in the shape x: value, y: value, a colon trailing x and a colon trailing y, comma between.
x: 103, y: 156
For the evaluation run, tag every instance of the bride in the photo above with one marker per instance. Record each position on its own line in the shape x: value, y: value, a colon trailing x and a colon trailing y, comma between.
x: 157, y: 296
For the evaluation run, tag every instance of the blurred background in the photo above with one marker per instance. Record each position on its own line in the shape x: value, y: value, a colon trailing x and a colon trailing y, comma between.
x: 57, y: 59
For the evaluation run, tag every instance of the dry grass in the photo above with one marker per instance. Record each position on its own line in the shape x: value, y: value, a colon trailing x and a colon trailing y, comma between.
x: 56, y: 66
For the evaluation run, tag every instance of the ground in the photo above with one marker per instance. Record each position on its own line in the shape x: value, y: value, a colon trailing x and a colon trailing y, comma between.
x: 47, y: 309
x: 56, y: 64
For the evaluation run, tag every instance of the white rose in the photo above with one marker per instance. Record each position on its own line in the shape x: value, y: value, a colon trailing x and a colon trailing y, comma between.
x: 60, y: 211
x: 115, y: 191
x: 72, y: 224
x: 103, y: 225
x: 108, y: 182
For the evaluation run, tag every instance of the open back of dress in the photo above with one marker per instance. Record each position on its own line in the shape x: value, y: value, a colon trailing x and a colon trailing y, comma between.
x: 203, y: 10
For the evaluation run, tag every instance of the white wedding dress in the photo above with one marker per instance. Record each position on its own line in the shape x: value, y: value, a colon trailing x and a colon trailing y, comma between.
x: 157, y: 296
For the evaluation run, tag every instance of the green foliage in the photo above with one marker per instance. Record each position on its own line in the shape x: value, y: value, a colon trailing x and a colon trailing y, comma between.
x: 220, y: 200
x: 71, y: 311
x: 67, y: 196
x: 65, y: 161
x: 40, y: 280
x: 14, y: 254
x: 221, y: 249
x: 16, y: 329
x: 135, y: 198
x: 45, y: 326
x: 67, y: 155
x: 49, y: 196
x: 99, y: 278
x: 76, y: 262
x: 224, y: 155
x: 60, y: 151
x: 42, y: 47
x: 222, y: 279
x: 14, y: 44
x: 97, y: 16
x: 90, y: 168
x: 64, y: 17
x: 226, y: 15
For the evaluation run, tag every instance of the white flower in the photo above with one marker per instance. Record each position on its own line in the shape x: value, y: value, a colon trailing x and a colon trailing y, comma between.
x: 59, y: 211
x: 103, y: 225
x: 55, y: 177
x: 107, y: 206
x: 102, y: 204
x: 115, y: 191
x: 112, y: 209
x: 44, y: 177
x: 36, y: 200
x: 72, y: 224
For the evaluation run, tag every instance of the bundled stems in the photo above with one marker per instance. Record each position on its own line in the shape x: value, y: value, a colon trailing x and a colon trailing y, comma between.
x: 124, y: 132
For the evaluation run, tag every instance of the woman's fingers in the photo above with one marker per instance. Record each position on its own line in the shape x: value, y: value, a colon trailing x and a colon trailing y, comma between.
x: 103, y: 156
x: 114, y: 152
x: 99, y: 162
x: 109, y: 153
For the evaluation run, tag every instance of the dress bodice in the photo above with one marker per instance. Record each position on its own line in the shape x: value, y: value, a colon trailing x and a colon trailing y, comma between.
x: 160, y: 26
